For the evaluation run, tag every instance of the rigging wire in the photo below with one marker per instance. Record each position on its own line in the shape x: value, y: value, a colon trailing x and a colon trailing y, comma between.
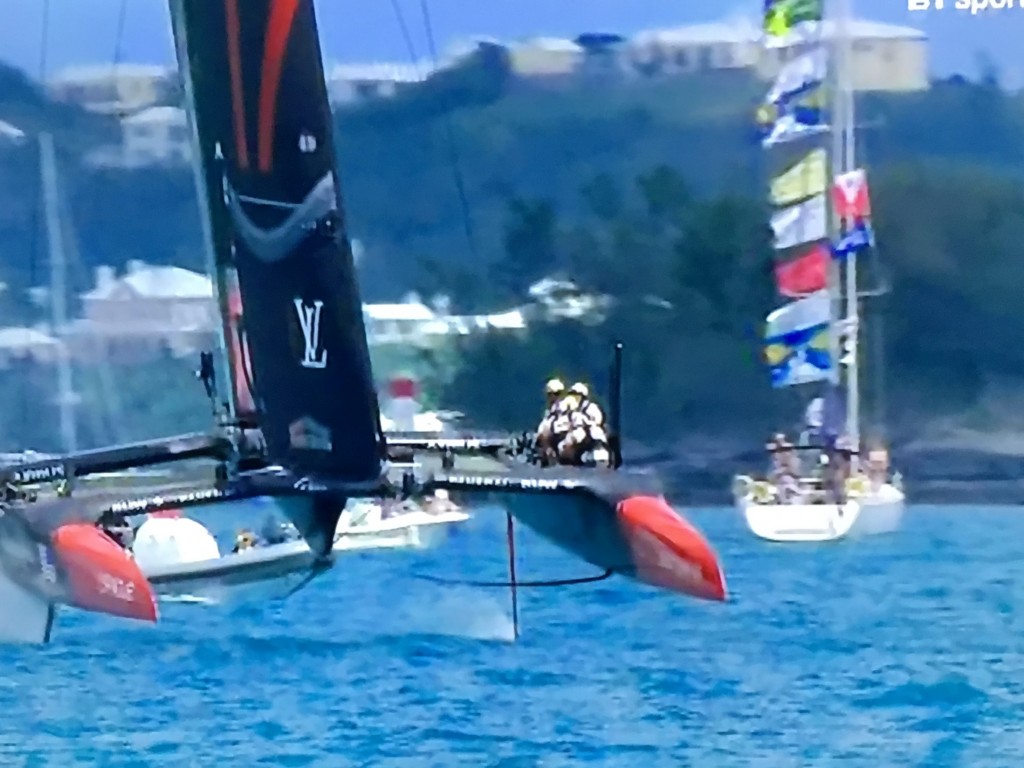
x: 115, y: 65
x: 453, y: 150
x: 119, y: 36
x: 406, y: 36
x: 876, y: 340
x: 35, y: 225
x: 454, y: 157
x: 44, y: 42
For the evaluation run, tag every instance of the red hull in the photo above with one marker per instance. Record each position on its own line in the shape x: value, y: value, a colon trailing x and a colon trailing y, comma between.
x: 622, y: 523
x: 100, y: 575
x: 667, y: 551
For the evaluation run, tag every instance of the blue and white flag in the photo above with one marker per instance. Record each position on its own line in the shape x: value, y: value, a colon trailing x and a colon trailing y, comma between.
x: 797, y: 342
x: 799, y: 76
x: 856, y: 240
x: 792, y: 120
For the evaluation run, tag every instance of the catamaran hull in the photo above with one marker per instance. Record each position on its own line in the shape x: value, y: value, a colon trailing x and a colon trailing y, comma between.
x: 75, y: 565
x: 880, y: 511
x: 637, y: 536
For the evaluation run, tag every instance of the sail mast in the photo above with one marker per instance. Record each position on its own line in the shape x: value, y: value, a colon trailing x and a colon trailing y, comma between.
x: 58, y: 293
x: 181, y: 45
x: 847, y: 162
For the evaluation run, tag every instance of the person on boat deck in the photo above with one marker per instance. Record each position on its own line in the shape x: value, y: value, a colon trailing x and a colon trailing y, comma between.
x: 580, y: 402
x: 878, y: 465
x: 547, y: 440
x: 837, y: 468
x: 244, y: 540
x: 784, y: 457
x: 785, y: 468
x: 587, y: 440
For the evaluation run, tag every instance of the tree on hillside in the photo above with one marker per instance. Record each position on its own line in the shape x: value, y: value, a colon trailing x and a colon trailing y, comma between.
x: 952, y: 324
x: 530, y: 247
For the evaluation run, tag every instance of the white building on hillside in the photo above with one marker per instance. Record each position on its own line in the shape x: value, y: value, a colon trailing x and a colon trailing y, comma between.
x: 545, y: 57
x: 19, y: 343
x: 146, y: 311
x: 155, y: 136
x: 405, y: 322
x: 413, y: 323
x: 886, y: 57
x: 348, y: 83
x: 115, y: 89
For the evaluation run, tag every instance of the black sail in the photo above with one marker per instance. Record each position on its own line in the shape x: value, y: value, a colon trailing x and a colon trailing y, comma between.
x: 286, y: 278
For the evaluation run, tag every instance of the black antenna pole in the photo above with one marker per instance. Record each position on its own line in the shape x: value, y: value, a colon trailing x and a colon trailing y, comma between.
x: 615, y: 407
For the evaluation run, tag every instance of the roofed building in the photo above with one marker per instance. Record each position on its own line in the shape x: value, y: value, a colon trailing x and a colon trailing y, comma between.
x: 149, y: 310
x: 885, y: 57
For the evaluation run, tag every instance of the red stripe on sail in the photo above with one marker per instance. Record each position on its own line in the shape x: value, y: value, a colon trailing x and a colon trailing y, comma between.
x: 237, y: 96
x: 805, y: 274
x: 275, y: 44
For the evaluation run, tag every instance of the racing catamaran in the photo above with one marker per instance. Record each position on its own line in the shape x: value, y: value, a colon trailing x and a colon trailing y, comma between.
x: 814, y: 340
x: 302, y: 428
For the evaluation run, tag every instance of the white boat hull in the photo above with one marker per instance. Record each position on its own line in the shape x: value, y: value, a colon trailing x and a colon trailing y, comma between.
x: 877, y: 511
x: 412, y: 530
x: 181, y: 560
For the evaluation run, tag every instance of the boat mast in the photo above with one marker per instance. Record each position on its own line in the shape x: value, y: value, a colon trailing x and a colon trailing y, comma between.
x: 58, y: 292
x: 180, y: 33
x: 846, y: 161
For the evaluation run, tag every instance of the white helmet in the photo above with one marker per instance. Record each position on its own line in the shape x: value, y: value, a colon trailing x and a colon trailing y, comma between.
x: 555, y: 387
x: 581, y: 389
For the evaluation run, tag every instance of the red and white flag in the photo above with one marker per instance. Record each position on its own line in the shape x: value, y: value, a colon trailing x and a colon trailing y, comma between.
x: 850, y: 195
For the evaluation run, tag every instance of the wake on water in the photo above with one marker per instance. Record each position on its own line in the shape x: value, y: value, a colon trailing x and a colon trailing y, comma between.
x: 456, y: 612
x: 189, y: 599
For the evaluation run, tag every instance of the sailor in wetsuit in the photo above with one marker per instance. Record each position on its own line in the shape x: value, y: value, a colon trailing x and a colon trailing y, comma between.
x: 547, y: 438
x: 587, y: 441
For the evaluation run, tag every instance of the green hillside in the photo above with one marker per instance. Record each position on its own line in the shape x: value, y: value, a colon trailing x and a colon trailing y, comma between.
x: 650, y: 192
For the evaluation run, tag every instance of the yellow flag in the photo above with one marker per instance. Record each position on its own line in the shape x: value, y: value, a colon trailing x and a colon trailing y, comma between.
x: 782, y: 16
x: 805, y: 179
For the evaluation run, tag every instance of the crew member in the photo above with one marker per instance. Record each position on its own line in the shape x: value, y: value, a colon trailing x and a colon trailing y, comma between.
x: 587, y: 408
x: 587, y: 441
x: 547, y: 440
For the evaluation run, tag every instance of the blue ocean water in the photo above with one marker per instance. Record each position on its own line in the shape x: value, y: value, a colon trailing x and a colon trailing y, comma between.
x: 905, y: 650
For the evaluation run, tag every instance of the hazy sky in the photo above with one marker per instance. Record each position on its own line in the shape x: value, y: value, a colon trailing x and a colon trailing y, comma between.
x: 84, y: 31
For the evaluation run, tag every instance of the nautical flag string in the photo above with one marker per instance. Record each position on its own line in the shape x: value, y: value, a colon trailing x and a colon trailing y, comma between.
x: 792, y: 120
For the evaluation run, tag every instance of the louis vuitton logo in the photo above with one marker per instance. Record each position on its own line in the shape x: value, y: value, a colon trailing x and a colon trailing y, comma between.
x: 309, y: 322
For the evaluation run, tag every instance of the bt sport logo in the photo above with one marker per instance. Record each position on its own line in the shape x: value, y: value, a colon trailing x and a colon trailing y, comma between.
x: 974, y: 6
